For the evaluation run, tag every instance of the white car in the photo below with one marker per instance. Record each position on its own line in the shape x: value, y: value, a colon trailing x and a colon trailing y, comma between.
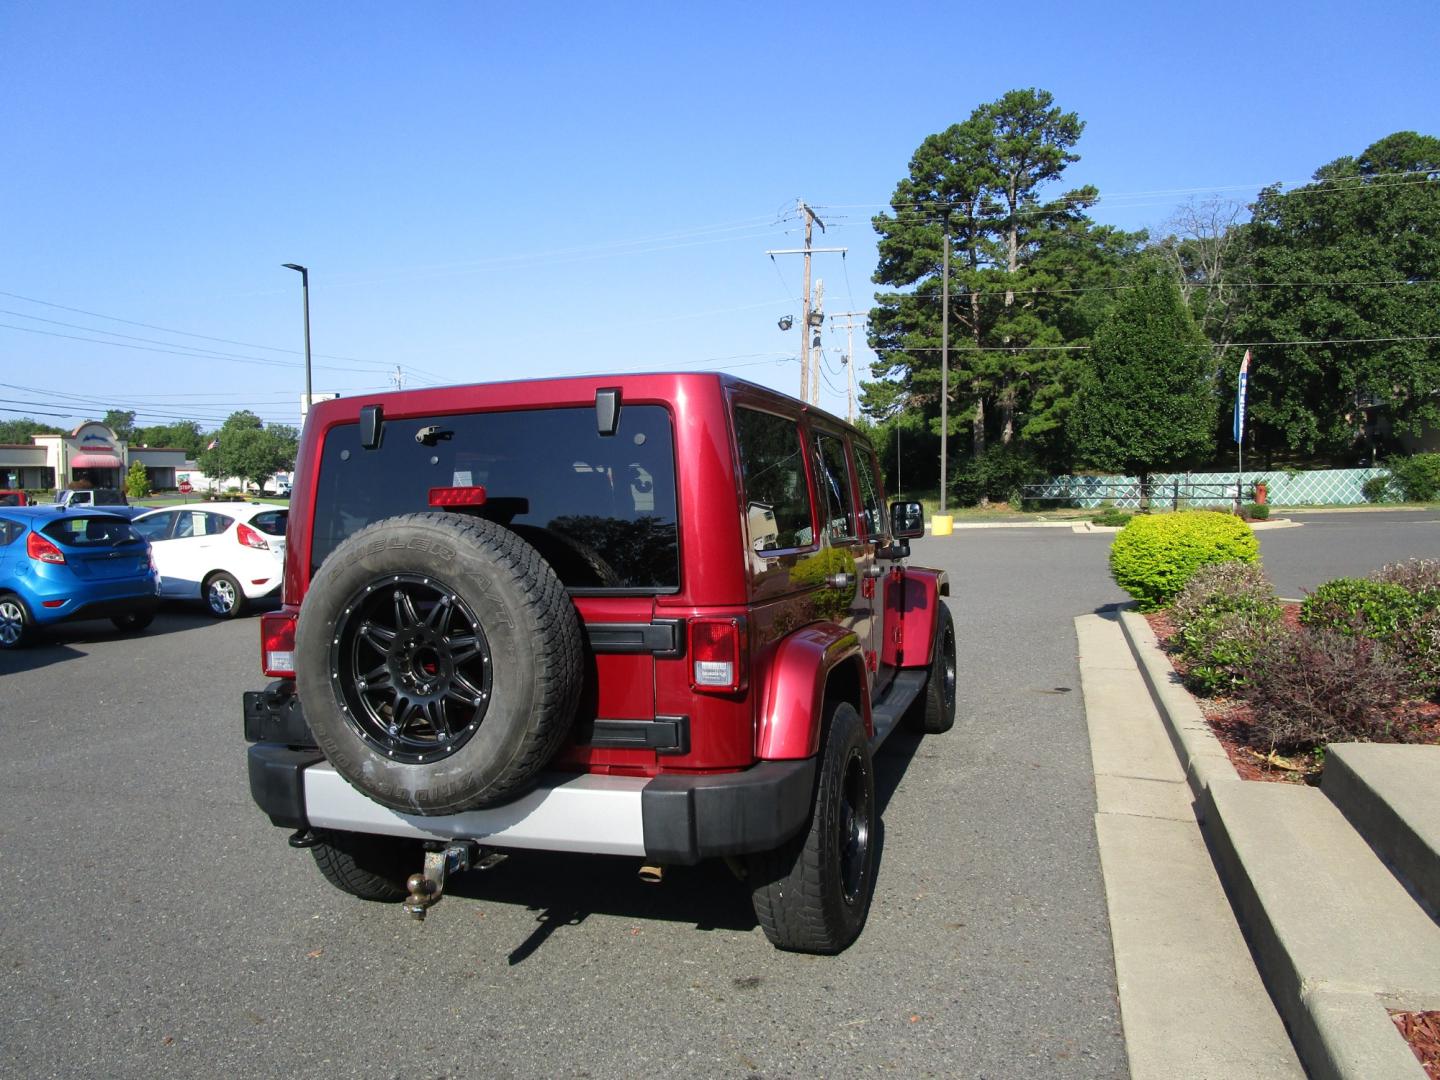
x: 224, y: 553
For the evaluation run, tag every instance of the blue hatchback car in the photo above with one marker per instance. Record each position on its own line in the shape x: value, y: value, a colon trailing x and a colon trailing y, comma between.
x: 57, y: 565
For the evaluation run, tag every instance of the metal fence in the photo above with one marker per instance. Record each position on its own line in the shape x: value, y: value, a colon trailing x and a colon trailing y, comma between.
x: 1321, y: 487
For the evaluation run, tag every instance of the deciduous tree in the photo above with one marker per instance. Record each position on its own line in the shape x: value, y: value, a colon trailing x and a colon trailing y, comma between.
x: 1147, y: 396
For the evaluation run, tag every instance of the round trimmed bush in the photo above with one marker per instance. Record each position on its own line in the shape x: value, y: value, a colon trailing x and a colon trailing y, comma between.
x: 1154, y: 556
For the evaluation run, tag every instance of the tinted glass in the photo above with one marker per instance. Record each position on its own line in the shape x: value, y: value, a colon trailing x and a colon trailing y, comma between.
x: 9, y: 531
x: 271, y: 522
x: 91, y: 531
x: 872, y: 511
x: 156, y: 526
x: 108, y: 498
x: 9, y: 498
x: 600, y: 509
x: 832, y: 477
x: 773, y: 472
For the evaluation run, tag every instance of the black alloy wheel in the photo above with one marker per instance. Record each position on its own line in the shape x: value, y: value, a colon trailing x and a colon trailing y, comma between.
x: 857, y: 811
x: 412, y: 667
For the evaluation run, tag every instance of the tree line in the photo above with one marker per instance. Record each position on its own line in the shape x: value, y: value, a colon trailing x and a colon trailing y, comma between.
x: 1074, y: 345
x: 243, y: 446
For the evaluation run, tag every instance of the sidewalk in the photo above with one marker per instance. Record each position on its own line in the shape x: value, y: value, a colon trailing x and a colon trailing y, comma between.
x: 1338, y: 938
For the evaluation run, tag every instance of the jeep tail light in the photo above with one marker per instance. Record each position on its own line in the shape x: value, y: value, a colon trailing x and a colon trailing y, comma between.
x: 457, y: 496
x: 250, y: 538
x: 718, y: 651
x: 277, y: 644
x: 42, y: 550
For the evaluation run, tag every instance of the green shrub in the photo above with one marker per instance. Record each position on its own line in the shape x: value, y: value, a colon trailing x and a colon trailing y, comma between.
x: 1318, y: 686
x: 1417, y: 477
x: 998, y: 474
x: 1255, y: 511
x: 1356, y: 607
x: 1415, y: 575
x: 1376, y: 489
x: 1154, y: 556
x: 1111, y: 517
x: 1225, y: 613
x: 1416, y: 642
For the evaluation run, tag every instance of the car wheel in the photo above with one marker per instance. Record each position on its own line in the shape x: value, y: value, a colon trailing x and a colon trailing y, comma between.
x: 933, y: 711
x: 439, y: 660
x: 15, y: 624
x: 370, y: 867
x: 133, y: 622
x: 223, y: 595
x: 813, y: 893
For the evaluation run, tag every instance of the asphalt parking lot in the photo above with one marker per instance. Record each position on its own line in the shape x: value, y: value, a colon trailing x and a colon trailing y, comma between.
x: 156, y: 924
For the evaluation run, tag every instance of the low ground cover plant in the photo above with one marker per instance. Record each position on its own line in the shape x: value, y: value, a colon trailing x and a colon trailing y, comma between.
x: 1355, y: 663
x: 1155, y: 555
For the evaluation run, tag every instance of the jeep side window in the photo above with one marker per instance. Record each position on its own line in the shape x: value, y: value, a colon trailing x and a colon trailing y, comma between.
x: 771, y: 465
x: 873, y: 511
x: 832, y: 477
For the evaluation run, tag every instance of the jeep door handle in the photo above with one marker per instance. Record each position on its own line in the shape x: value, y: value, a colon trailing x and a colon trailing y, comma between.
x: 842, y: 580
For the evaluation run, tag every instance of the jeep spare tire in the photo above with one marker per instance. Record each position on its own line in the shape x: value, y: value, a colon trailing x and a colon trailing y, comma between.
x: 438, y: 660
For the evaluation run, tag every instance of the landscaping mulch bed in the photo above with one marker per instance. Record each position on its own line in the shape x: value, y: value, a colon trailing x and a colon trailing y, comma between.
x: 1422, y: 1032
x: 1230, y: 719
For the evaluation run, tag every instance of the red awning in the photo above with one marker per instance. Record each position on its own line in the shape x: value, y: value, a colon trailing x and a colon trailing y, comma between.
x: 94, y: 461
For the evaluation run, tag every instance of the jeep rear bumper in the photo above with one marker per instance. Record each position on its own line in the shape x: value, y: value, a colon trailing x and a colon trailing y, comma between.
x: 674, y: 818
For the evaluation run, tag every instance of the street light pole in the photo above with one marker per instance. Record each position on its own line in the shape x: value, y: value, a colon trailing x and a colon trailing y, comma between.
x: 305, y: 293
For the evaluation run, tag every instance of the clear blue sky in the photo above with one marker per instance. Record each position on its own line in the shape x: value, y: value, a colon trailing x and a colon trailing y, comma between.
x: 488, y: 191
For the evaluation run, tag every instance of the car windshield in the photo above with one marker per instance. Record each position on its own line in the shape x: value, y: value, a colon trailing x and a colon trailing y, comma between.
x: 9, y: 498
x: 601, y: 509
x: 98, y: 531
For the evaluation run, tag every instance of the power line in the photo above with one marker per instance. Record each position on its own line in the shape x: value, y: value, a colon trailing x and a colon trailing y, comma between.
x: 190, y: 353
x: 1227, y: 345
x: 166, y: 329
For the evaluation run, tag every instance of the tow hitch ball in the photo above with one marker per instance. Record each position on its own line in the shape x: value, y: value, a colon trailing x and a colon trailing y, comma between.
x: 440, y: 860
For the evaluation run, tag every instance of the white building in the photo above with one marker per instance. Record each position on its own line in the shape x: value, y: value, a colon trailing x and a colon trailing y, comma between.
x: 90, y: 454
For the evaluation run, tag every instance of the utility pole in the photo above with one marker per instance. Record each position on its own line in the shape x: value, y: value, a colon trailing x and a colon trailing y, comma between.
x: 849, y: 316
x: 944, y: 364
x: 811, y: 219
x: 398, y: 378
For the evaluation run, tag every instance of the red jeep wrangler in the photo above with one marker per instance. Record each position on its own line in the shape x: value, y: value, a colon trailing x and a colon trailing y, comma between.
x: 663, y: 616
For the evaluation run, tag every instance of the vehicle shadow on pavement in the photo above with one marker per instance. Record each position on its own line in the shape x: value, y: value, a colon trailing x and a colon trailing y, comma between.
x: 566, y: 889
x: 65, y: 641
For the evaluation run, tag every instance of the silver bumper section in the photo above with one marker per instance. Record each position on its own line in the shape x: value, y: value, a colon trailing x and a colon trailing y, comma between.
x: 599, y: 814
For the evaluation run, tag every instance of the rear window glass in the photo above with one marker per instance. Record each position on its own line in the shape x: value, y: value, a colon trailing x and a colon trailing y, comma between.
x: 10, y: 498
x: 108, y: 498
x: 91, y: 531
x: 271, y: 521
x: 600, y: 509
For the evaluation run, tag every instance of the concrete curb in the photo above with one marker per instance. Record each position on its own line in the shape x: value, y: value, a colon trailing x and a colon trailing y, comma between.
x: 1387, y: 792
x: 1331, y: 991
x: 1201, y: 755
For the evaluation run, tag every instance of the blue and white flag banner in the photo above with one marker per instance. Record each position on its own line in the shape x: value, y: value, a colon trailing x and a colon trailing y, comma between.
x: 1240, y: 397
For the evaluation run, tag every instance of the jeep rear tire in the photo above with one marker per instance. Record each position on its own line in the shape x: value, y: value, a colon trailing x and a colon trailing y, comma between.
x: 813, y: 893
x: 438, y: 660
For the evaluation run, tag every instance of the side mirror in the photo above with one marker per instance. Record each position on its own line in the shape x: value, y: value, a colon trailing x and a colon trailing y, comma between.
x: 907, y: 520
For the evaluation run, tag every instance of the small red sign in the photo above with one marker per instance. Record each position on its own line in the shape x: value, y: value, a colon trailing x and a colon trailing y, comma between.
x: 185, y: 487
